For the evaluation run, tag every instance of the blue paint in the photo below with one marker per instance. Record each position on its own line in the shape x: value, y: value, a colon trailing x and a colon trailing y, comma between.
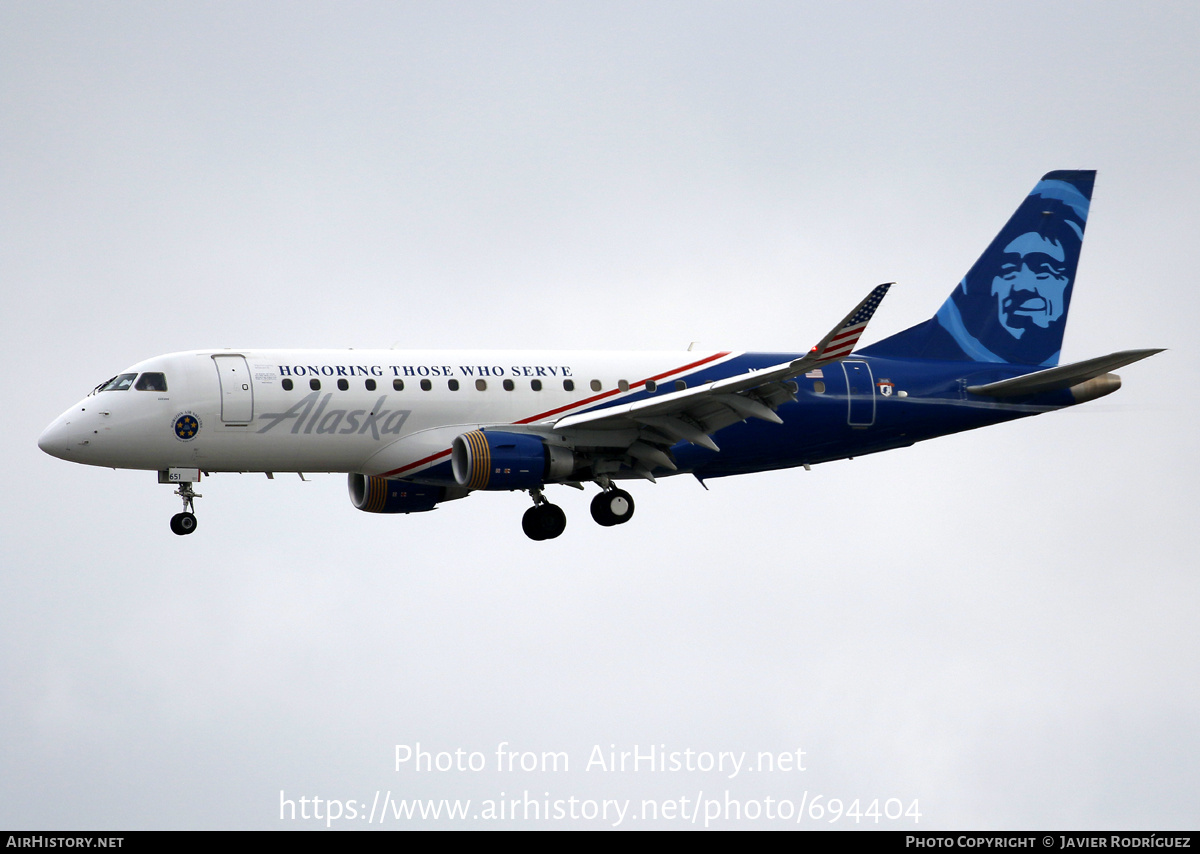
x: 1012, y: 304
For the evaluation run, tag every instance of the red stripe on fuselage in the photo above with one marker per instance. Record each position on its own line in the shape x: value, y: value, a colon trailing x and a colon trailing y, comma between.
x: 584, y: 402
x: 608, y: 394
x: 428, y: 459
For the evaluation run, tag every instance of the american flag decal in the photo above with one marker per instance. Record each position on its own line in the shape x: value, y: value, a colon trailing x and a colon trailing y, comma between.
x: 842, y: 342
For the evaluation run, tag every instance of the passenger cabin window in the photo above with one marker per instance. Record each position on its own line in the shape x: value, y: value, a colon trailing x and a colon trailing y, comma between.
x: 508, y: 385
x: 680, y: 385
x: 397, y: 385
x: 370, y: 385
x: 597, y: 385
x: 287, y: 383
x: 121, y: 383
x: 343, y: 385
x: 315, y: 385
x: 536, y: 385
x: 481, y: 385
x: 623, y: 385
x: 151, y: 381
x: 651, y: 386
x: 453, y: 385
x: 568, y: 385
x: 426, y: 385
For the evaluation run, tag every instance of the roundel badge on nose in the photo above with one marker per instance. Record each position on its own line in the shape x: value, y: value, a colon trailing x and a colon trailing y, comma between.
x: 187, y: 426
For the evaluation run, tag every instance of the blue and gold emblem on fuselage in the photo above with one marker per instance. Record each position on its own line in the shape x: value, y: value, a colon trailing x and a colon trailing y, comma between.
x: 187, y: 425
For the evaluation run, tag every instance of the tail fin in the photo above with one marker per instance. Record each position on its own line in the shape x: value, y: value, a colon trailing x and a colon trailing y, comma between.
x: 1012, y: 305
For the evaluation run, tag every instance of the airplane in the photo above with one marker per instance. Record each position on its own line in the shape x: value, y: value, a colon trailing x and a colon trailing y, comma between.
x: 414, y: 429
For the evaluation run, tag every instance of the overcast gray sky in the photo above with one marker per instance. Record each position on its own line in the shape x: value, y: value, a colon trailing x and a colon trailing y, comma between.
x: 999, y: 625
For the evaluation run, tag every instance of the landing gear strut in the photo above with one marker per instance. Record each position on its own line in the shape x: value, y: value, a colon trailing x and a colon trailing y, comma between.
x: 185, y: 522
x: 543, y: 521
x: 612, y: 507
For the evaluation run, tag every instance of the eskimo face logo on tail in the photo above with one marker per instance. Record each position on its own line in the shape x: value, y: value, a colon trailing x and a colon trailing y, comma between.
x: 1012, y: 305
x: 310, y: 415
x: 1031, y: 284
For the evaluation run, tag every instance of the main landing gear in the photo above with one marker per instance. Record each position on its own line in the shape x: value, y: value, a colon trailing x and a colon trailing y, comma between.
x: 612, y: 507
x: 545, y: 521
x: 185, y: 522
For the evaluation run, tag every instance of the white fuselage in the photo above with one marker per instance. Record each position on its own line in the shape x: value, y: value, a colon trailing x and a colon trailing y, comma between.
x: 390, y: 412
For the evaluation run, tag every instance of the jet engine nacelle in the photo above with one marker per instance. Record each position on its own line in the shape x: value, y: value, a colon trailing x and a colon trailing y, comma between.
x: 488, y: 460
x: 373, y: 494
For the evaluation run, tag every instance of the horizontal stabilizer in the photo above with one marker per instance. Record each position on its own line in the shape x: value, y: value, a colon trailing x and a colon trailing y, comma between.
x: 1065, y: 376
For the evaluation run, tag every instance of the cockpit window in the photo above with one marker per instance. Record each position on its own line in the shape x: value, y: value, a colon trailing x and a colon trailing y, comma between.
x: 152, y: 382
x: 119, y: 383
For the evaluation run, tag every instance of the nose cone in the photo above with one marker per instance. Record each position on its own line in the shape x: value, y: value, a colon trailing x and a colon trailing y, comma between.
x: 69, y: 435
x: 54, y: 440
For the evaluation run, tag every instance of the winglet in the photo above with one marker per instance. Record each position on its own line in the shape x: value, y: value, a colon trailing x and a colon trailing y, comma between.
x: 840, y: 342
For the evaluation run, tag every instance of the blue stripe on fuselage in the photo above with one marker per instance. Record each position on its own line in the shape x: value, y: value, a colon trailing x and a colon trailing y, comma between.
x: 815, y: 428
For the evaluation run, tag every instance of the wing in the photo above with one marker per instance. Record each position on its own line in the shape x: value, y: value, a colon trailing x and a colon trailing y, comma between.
x: 644, y: 430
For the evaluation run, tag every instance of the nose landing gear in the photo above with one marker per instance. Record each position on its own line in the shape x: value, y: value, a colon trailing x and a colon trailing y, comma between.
x: 185, y: 523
